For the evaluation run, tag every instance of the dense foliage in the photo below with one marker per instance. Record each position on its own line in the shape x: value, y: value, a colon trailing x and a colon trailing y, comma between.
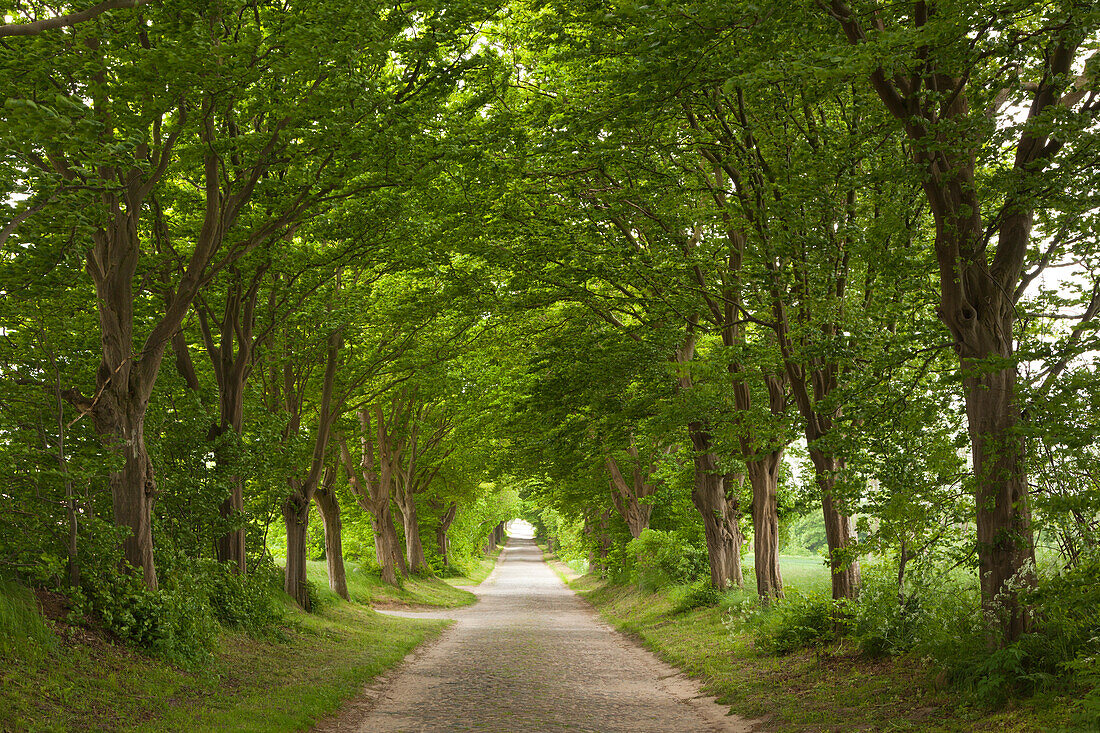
x: 687, y: 285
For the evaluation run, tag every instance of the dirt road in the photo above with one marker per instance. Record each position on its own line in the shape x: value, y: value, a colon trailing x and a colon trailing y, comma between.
x: 531, y: 656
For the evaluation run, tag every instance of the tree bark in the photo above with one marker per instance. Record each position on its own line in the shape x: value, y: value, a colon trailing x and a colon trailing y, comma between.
x: 296, y: 506
x: 626, y: 495
x: 372, y: 483
x: 387, y: 548
x: 120, y: 417
x: 764, y: 478
x: 329, y: 506
x: 231, y: 357
x: 980, y: 284
x: 441, y: 537
x: 719, y: 512
x: 840, y: 531
x: 414, y: 548
x: 708, y: 493
x: 296, y: 519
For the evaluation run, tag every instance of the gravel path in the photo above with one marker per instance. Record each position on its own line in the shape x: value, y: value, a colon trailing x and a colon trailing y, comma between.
x: 532, y: 656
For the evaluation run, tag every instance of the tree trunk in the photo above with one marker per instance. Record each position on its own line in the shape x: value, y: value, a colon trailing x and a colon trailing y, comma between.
x: 386, y: 546
x: 719, y: 513
x: 441, y: 537
x: 133, y: 487
x: 296, y: 505
x: 979, y: 284
x: 626, y: 495
x: 840, y: 532
x: 414, y: 548
x: 230, y: 547
x: 764, y: 478
x: 372, y: 483
x: 1006, y: 551
x: 329, y: 507
x: 296, y: 518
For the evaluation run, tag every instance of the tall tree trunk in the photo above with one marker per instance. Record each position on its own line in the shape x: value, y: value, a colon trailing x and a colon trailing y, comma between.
x: 230, y: 547
x: 231, y: 346
x: 981, y: 284
x: 840, y: 532
x: 329, y: 506
x: 708, y: 491
x: 296, y: 519
x: 372, y: 483
x: 764, y: 478
x: 133, y: 487
x: 441, y: 537
x: 719, y: 512
x: 1006, y: 550
x: 414, y: 548
x: 296, y: 506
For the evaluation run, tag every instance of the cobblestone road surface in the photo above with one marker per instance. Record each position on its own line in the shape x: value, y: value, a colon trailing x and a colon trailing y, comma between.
x: 532, y: 656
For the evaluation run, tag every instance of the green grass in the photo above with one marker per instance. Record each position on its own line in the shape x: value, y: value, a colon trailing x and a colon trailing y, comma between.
x: 67, y: 679
x: 832, y: 688
x: 85, y: 684
x: 24, y: 634
x: 367, y: 588
x: 477, y: 571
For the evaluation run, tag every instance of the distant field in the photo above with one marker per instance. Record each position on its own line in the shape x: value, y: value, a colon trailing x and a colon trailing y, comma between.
x: 800, y: 572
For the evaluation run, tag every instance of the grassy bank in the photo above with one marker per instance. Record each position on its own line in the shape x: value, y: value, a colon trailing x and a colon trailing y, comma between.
x: 365, y: 587
x: 56, y: 677
x: 827, y: 688
x: 84, y: 683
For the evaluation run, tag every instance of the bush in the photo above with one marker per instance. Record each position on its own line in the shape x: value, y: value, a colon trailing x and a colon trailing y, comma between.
x: 1064, y: 640
x: 665, y: 558
x: 881, y: 623
x: 174, y: 622
x: 799, y: 621
x: 246, y: 603
x: 180, y: 620
x: 700, y: 594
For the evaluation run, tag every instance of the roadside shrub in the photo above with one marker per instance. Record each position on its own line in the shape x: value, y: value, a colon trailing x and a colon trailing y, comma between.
x: 246, y: 603
x: 798, y: 621
x: 174, y: 622
x: 881, y: 623
x: 1086, y: 671
x: 665, y: 558
x: 700, y: 594
x: 1064, y: 640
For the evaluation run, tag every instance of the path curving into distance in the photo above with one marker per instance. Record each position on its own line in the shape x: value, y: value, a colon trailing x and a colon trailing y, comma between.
x: 531, y: 656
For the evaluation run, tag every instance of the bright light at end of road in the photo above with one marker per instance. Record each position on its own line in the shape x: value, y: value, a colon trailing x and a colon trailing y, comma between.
x: 520, y: 529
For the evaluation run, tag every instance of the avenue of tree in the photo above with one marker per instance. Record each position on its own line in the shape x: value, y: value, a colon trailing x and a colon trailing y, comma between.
x: 703, y: 268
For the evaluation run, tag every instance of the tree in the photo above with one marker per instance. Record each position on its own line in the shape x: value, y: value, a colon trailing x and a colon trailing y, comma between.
x: 940, y: 70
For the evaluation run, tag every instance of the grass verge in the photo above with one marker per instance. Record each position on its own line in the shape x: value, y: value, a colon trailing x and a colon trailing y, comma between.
x: 477, y: 571
x: 826, y: 689
x: 367, y: 588
x: 84, y: 683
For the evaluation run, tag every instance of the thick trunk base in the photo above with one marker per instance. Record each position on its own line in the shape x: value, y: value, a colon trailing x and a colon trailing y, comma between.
x: 764, y: 478
x: 390, y: 558
x: 296, y: 519
x: 1006, y: 549
x: 230, y: 547
x: 329, y: 507
x: 132, y: 492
